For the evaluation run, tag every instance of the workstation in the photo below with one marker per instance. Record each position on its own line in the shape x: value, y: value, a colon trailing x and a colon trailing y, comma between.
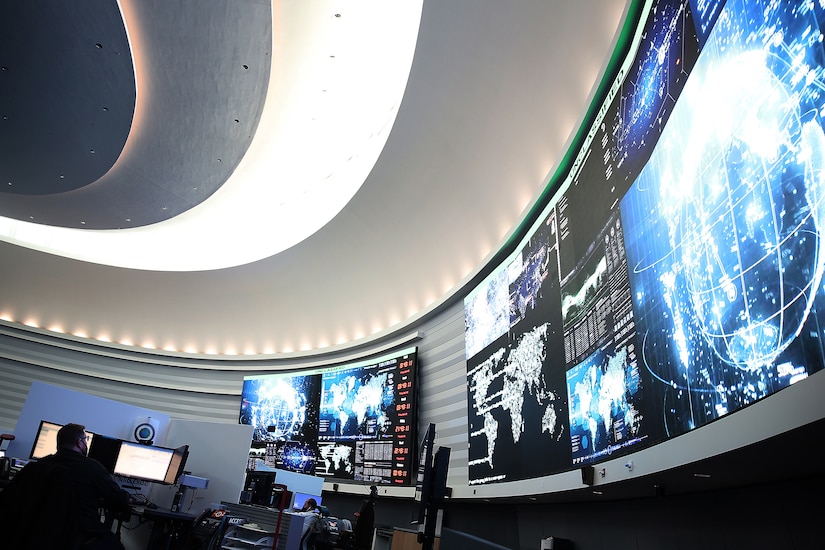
x: 163, y: 464
x: 231, y: 504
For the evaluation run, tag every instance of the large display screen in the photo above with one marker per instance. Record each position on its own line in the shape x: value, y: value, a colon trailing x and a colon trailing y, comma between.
x: 675, y: 276
x: 352, y: 421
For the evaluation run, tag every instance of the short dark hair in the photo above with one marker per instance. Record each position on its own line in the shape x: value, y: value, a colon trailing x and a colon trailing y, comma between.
x: 68, y: 435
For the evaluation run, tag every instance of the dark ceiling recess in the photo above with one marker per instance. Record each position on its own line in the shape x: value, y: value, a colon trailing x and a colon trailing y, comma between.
x: 83, y: 144
x: 57, y: 136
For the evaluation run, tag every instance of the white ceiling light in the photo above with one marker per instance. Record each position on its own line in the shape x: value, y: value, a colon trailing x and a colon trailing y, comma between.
x: 346, y: 65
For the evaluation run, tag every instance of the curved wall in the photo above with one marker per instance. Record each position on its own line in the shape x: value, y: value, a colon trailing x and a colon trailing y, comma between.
x: 210, y: 391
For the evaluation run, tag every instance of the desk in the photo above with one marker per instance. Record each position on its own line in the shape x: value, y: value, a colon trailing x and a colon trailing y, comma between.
x: 407, y: 539
x: 382, y: 537
x: 170, y: 530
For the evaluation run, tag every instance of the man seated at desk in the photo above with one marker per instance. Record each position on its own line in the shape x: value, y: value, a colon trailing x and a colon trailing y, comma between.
x: 310, y: 508
x: 55, y: 502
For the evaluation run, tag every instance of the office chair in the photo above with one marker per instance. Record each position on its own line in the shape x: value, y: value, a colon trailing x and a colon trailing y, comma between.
x: 322, y: 533
x: 5, y: 462
x: 4, y: 438
x: 43, y: 504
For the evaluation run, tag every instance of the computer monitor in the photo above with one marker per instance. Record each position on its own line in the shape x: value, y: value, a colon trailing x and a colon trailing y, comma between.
x: 260, y: 488
x: 424, y: 478
x: 45, y: 441
x: 299, y: 499
x: 105, y: 450
x: 176, y: 465
x: 145, y: 462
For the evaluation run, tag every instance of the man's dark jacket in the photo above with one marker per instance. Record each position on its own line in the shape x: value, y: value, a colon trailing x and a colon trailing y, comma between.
x: 56, y: 501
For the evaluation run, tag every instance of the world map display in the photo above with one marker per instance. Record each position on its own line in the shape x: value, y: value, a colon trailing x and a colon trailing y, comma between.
x: 604, y: 409
x: 356, y: 404
x: 336, y: 460
x: 516, y: 406
x: 506, y: 387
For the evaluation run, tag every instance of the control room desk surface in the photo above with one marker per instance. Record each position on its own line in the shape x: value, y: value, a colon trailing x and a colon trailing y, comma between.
x: 170, y: 530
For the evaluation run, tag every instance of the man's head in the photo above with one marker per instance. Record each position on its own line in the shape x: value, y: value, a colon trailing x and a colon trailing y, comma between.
x: 309, y: 505
x: 73, y: 437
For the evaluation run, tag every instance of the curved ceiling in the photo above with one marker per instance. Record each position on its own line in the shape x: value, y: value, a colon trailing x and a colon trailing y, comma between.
x: 283, y: 159
x: 437, y: 184
x: 61, y: 129
x: 108, y: 102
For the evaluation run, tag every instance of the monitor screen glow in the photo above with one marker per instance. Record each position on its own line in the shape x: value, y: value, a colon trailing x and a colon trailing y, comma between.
x: 299, y: 499
x: 143, y: 461
x: 176, y: 465
x: 352, y: 421
x: 45, y: 442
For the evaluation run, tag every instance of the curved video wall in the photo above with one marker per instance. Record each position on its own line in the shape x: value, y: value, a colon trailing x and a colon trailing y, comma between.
x: 675, y: 275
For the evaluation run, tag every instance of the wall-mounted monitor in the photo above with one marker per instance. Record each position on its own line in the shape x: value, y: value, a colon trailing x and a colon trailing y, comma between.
x: 423, y: 480
x: 425, y: 459
x: 45, y: 442
x: 352, y: 420
x: 367, y: 420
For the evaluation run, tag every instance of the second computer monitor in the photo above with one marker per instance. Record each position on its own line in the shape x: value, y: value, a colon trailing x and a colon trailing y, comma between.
x: 299, y: 499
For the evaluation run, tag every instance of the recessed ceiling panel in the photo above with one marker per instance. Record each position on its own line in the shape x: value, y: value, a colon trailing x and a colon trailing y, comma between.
x: 96, y: 136
x: 253, y: 129
x: 67, y: 94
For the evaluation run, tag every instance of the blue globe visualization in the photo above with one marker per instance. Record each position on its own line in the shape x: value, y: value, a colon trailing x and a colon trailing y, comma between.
x: 747, y: 233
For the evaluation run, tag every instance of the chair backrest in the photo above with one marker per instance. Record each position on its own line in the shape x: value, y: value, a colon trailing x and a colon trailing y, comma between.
x: 48, y: 500
x: 322, y: 531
